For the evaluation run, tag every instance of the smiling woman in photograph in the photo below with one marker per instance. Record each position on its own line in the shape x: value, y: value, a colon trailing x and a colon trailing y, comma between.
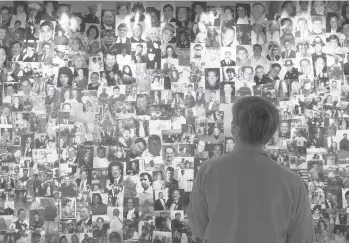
x: 92, y: 33
x: 107, y: 20
x: 65, y: 77
x: 122, y: 14
x: 154, y: 16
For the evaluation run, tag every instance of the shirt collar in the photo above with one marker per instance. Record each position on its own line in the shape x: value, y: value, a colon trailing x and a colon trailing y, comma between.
x: 242, y: 147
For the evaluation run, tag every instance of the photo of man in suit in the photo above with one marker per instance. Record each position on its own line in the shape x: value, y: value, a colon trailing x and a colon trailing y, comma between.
x: 319, y: 67
x: 122, y: 34
x: 153, y: 39
x: 284, y: 130
x: 20, y: 225
x: 46, y: 55
x: 175, y: 201
x: 288, y: 53
x: 115, y: 172
x: 116, y: 195
x: 303, y: 30
x: 227, y: 59
x: 213, y: 104
x: 72, y: 159
x: 16, y: 49
x: 49, y: 13
x: 330, y: 201
x: 273, y: 50
x: 200, y: 96
x: 160, y: 203
x: 332, y: 23
x: 168, y: 14
x: 85, y: 219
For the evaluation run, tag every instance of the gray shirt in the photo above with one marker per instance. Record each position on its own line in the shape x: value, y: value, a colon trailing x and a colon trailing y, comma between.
x: 244, y: 196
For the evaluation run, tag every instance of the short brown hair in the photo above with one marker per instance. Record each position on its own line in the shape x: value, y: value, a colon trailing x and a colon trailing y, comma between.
x: 257, y: 118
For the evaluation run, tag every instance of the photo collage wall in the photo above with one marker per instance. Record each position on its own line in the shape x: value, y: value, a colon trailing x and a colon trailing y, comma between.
x: 109, y: 109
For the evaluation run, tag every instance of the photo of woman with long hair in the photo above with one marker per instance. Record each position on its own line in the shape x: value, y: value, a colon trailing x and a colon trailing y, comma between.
x: 126, y: 75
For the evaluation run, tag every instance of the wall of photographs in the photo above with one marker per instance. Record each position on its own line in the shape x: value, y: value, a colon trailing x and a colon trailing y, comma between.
x: 108, y: 110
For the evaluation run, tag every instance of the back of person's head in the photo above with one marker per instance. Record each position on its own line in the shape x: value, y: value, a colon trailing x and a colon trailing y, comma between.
x: 257, y: 120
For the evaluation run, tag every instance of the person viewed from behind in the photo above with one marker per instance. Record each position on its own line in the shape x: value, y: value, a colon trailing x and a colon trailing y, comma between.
x: 278, y: 208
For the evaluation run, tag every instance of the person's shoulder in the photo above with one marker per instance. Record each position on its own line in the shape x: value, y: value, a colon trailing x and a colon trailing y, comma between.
x: 269, y: 164
x: 210, y: 163
x: 287, y: 178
